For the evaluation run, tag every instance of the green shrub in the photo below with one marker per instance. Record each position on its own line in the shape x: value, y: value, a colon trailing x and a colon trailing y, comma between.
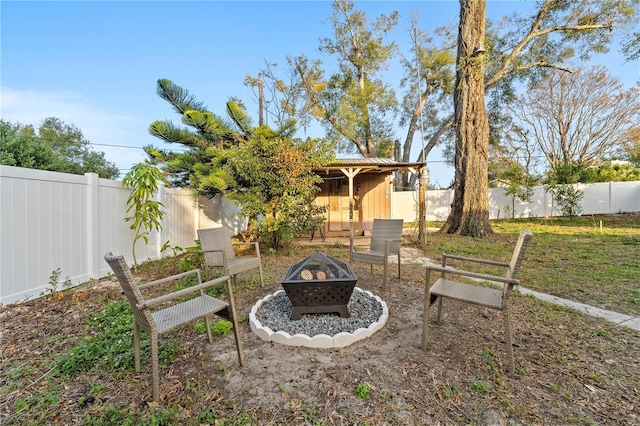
x: 363, y: 390
x: 222, y: 328
x: 111, y: 347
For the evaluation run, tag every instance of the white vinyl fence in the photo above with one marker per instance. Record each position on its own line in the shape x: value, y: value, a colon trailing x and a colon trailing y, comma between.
x: 598, y: 198
x: 55, y: 221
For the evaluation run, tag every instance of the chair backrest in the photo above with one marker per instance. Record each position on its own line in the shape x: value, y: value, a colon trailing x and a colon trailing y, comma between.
x: 131, y: 291
x: 386, y: 229
x: 216, y: 239
x: 518, y: 253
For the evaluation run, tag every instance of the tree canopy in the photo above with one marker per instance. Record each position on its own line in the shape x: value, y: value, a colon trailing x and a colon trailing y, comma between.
x: 358, y: 107
x: 54, y: 146
x: 581, y: 118
x: 523, y: 48
x: 354, y: 104
x: 267, y: 172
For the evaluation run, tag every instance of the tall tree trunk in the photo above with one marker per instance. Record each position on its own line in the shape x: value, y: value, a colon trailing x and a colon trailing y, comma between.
x: 470, y: 208
x: 407, y: 183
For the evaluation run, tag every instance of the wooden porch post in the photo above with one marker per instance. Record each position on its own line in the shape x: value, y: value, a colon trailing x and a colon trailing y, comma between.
x: 423, y: 179
x: 351, y: 173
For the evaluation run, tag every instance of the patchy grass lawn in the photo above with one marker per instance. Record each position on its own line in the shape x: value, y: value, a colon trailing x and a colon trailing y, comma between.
x: 67, y: 358
x: 574, y: 259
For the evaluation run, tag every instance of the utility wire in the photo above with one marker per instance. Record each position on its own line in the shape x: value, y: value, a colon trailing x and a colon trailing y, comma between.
x: 98, y: 144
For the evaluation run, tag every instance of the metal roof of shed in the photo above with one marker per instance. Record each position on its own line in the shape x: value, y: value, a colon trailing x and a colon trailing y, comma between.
x: 370, y: 164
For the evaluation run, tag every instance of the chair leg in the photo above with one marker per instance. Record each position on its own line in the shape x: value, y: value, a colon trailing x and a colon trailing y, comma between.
x: 236, y: 334
x: 209, y: 335
x: 136, y: 346
x: 399, y: 265
x: 384, y: 280
x: 440, y: 302
x: 155, y: 367
x: 261, y: 279
x: 426, y: 308
x: 231, y: 312
x: 507, y: 334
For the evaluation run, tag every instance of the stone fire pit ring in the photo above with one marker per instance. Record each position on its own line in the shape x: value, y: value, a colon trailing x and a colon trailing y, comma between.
x: 339, y: 340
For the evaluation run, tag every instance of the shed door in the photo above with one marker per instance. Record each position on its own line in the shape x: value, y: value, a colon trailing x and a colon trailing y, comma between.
x: 339, y: 206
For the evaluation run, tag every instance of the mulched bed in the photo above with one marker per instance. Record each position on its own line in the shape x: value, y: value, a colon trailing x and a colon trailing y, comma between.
x: 571, y: 368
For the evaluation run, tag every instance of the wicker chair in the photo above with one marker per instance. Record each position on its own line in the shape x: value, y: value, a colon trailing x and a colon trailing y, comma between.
x: 219, y: 251
x: 476, y: 294
x: 172, y: 315
x: 386, y: 236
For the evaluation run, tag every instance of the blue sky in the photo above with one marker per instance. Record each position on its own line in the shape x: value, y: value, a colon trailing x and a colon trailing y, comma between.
x: 95, y: 64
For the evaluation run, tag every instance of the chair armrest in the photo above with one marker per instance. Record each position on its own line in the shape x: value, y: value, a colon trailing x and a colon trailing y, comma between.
x: 180, y: 293
x: 473, y: 259
x: 171, y: 278
x: 449, y: 270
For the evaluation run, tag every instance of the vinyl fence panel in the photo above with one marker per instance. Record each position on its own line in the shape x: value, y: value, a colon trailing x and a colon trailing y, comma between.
x: 66, y: 223
x: 625, y: 198
x: 62, y: 222
x: 610, y: 197
x: 180, y: 218
x: 598, y: 198
x: 43, y: 230
x: 404, y: 205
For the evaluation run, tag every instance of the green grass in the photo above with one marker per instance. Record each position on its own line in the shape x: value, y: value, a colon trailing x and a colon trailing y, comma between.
x: 568, y: 259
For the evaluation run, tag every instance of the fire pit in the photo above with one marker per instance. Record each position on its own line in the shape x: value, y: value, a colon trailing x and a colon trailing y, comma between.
x: 319, y: 284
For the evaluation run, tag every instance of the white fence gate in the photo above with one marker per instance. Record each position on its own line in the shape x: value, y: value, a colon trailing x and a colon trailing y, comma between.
x: 51, y: 221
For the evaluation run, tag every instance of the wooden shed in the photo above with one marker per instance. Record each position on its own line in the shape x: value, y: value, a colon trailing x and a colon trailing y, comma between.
x: 357, y: 190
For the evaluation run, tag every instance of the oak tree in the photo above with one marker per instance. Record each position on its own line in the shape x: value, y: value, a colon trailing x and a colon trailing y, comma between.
x: 54, y: 146
x: 580, y: 118
x: 354, y: 104
x: 470, y: 208
x: 558, y: 30
x: 429, y: 81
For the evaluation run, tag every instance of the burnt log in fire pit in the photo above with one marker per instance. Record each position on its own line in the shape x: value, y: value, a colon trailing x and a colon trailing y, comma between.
x: 319, y: 284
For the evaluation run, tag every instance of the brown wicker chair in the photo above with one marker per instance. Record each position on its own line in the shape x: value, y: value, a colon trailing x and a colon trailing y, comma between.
x: 386, y: 236
x: 477, y: 294
x: 219, y: 251
x: 172, y: 315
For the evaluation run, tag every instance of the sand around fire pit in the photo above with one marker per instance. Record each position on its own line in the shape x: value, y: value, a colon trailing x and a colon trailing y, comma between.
x: 412, y: 387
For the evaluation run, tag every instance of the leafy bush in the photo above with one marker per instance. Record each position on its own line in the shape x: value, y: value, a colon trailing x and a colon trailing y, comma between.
x: 222, y: 328
x: 111, y: 347
x: 568, y: 198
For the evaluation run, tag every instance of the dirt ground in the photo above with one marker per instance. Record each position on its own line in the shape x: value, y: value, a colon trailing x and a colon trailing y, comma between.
x: 570, y: 368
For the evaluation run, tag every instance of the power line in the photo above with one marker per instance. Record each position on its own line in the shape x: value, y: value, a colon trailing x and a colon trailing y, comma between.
x: 182, y: 150
x: 98, y: 144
